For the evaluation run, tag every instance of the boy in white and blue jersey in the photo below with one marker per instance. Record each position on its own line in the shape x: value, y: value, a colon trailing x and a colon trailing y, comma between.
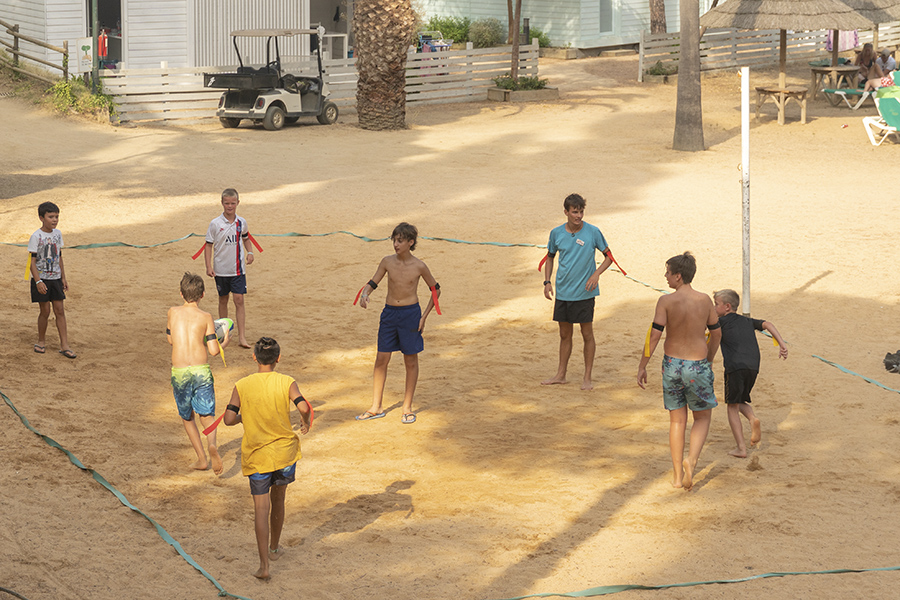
x: 227, y: 253
x: 577, y: 282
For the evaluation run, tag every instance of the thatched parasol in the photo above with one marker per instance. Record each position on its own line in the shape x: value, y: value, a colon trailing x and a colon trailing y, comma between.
x: 877, y: 11
x: 783, y: 15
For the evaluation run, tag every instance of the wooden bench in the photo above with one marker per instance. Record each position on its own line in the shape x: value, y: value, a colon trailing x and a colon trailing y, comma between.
x: 781, y: 96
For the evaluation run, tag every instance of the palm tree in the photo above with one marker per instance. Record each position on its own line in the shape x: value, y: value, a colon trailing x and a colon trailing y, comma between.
x: 383, y: 30
x: 688, y: 110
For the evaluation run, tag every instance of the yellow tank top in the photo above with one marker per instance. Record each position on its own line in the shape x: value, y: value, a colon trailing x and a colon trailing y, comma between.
x: 269, y: 442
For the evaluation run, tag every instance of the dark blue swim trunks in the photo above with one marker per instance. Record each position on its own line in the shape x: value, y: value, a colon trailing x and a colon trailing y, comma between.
x: 399, y: 329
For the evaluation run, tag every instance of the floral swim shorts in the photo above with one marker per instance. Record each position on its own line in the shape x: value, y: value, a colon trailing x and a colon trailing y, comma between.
x: 688, y: 382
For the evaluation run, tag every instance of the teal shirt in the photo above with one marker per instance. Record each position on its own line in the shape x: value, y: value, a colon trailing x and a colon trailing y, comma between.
x: 576, y: 261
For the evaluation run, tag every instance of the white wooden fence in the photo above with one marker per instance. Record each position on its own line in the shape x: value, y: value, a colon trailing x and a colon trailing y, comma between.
x: 431, y: 77
x: 730, y: 48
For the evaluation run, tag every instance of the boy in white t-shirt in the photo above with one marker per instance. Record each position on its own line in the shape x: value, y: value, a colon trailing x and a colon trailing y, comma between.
x: 227, y: 252
x: 48, y: 277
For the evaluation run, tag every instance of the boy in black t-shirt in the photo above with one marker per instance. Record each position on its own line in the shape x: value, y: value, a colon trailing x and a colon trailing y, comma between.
x: 740, y: 353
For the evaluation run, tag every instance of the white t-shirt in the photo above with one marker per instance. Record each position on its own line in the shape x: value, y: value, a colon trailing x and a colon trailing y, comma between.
x: 47, y: 247
x: 228, y: 249
x: 888, y: 65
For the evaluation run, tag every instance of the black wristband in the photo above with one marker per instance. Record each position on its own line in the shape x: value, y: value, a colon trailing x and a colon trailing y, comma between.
x: 437, y: 286
x: 232, y: 407
x: 548, y: 281
x: 210, y: 337
x: 657, y: 326
x: 298, y: 400
x: 715, y: 325
x: 168, y: 332
x: 372, y: 285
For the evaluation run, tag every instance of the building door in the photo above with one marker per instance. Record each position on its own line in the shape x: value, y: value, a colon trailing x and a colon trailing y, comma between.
x: 110, y: 17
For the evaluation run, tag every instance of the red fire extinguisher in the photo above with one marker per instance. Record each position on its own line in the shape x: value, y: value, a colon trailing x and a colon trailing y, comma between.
x: 102, y: 45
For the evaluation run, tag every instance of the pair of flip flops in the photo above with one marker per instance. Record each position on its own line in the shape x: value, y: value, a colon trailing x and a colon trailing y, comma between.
x: 406, y: 419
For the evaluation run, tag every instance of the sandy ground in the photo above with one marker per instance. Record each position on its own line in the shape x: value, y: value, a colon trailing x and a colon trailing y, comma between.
x: 503, y: 487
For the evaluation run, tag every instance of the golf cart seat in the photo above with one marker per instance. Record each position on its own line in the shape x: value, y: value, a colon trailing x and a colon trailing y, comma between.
x: 300, y: 85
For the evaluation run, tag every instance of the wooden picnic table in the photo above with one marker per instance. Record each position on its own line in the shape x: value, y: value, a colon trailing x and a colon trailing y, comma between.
x: 835, y: 74
x: 781, y: 95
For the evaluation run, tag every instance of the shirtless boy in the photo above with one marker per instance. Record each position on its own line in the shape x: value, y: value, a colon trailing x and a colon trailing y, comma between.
x: 686, y: 369
x: 192, y: 333
x: 402, y: 321
x: 577, y: 282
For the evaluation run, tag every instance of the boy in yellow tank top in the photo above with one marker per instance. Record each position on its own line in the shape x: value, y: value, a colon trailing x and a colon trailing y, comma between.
x: 269, y: 449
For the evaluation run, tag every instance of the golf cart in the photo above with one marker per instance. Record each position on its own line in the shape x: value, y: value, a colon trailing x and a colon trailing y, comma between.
x: 268, y: 94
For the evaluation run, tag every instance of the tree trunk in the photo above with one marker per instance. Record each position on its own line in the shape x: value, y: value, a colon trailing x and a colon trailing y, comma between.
x: 383, y: 31
x: 688, y: 109
x: 509, y: 14
x: 514, y: 55
x: 657, y: 16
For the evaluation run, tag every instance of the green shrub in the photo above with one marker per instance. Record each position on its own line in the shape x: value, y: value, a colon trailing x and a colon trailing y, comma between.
x: 485, y: 33
x: 74, y: 96
x: 534, y: 32
x: 525, y: 83
x: 661, y: 69
x: 452, y: 28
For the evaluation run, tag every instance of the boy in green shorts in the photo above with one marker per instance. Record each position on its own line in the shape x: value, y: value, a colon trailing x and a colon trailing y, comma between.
x: 269, y: 448
x: 192, y: 334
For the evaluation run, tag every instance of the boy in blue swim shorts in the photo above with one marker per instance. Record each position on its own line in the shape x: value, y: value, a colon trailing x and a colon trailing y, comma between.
x: 686, y: 369
x: 402, y: 320
x: 192, y: 334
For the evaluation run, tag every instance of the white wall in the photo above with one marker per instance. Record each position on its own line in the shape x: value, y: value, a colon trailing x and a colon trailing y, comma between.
x: 155, y: 31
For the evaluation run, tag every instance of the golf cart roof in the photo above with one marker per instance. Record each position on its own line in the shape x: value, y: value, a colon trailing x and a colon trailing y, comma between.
x: 272, y: 32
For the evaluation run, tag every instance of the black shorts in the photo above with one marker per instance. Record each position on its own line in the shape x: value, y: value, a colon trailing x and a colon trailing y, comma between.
x: 54, y: 291
x: 574, y: 311
x: 738, y: 385
x: 231, y: 285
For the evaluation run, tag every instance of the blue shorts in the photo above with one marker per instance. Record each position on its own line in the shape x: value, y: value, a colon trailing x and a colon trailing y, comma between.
x: 399, y: 329
x: 194, y: 391
x: 688, y: 382
x: 231, y: 285
x: 261, y: 483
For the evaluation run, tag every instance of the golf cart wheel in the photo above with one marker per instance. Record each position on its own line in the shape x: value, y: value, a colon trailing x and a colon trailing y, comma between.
x: 291, y: 120
x: 229, y: 123
x: 329, y: 114
x: 274, y: 119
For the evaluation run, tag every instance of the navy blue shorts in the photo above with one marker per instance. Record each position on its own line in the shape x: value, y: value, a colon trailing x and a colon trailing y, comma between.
x: 574, y: 311
x: 231, y: 285
x: 261, y: 483
x: 399, y: 329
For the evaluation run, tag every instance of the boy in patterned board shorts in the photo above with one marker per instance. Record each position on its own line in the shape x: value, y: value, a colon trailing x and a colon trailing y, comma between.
x: 226, y: 252
x: 686, y: 370
x: 48, y: 278
x: 192, y: 333
x: 740, y: 353
x: 577, y: 283
x: 402, y: 321
x: 269, y: 448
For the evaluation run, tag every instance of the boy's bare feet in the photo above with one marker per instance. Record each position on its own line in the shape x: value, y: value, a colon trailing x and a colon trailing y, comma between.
x: 243, y: 344
x: 276, y: 553
x: 755, y: 432
x: 262, y: 574
x: 688, y: 482
x: 216, y: 460
x: 554, y: 381
x: 738, y: 453
x: 587, y: 384
x: 200, y: 465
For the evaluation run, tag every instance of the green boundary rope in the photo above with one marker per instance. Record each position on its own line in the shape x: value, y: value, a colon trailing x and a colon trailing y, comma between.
x: 604, y: 590
x: 102, y: 481
x: 596, y: 591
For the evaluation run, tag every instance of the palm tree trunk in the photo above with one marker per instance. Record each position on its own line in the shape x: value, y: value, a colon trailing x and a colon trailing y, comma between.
x: 514, y: 56
x: 688, y: 108
x: 383, y: 30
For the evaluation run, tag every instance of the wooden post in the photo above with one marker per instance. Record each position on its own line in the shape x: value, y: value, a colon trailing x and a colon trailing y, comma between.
x: 65, y: 60
x: 834, y: 50
x: 782, y: 58
x: 641, y: 58
x: 15, y: 29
